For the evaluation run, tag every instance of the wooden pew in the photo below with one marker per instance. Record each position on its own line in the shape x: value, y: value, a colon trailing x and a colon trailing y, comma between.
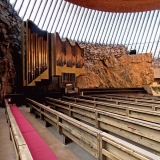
x: 98, y: 143
x: 141, y: 111
x: 115, y: 148
x: 141, y: 132
x: 146, y: 106
x: 134, y: 100
x: 84, y: 135
x: 144, y: 96
x: 19, y: 143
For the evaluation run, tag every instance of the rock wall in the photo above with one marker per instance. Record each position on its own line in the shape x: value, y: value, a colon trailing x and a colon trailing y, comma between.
x: 10, y: 62
x: 115, y: 68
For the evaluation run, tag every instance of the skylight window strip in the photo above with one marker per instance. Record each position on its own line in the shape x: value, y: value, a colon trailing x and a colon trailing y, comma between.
x: 67, y: 19
x: 30, y: 5
x: 47, y: 14
x: 39, y: 13
x: 93, y: 24
x: 140, y: 26
x: 61, y: 25
x: 149, y: 47
x: 96, y: 28
x: 102, y: 27
x: 56, y: 11
x: 117, y: 28
x: 156, y: 55
x: 109, y: 27
x: 156, y: 43
x: 35, y: 18
x: 114, y: 30
x: 115, y: 22
x: 58, y: 17
x: 143, y: 31
x: 79, y: 18
x: 124, y: 28
x: 18, y: 5
x: 129, y: 28
x: 148, y: 27
x: 81, y: 24
x: 156, y: 33
x: 99, y: 37
x: 151, y: 31
x: 75, y: 21
x: 133, y: 26
x: 79, y: 21
x: 45, y: 11
x: 12, y: 2
x: 106, y: 27
x: 15, y: 4
x: 24, y: 8
x: 52, y: 11
x: 33, y: 8
x: 88, y: 29
x: 85, y: 24
x: 69, y: 25
x: 42, y: 13
x: 19, y: 9
x: 117, y: 41
x: 152, y: 27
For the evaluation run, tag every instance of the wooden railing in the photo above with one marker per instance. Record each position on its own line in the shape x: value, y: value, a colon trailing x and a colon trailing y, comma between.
x: 139, y: 131
x: 98, y: 143
x: 147, y: 99
x: 141, y: 111
x: 138, y: 96
x: 20, y: 146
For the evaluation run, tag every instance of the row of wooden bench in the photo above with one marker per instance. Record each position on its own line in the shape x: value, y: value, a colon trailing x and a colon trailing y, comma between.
x: 27, y: 142
x: 20, y: 146
x: 136, y: 96
x: 128, y: 100
x: 97, y: 142
x: 140, y: 111
x: 139, y: 131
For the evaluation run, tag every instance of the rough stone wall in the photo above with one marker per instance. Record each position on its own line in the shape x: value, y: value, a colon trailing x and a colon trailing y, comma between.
x: 156, y: 63
x: 10, y: 63
x: 113, y: 67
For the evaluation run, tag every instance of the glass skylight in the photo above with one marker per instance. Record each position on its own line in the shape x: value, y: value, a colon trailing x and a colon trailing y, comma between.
x: 140, y: 31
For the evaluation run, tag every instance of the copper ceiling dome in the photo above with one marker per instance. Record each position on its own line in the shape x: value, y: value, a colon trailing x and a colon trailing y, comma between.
x: 119, y: 5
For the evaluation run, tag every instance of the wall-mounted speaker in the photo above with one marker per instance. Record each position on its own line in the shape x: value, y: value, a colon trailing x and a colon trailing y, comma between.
x: 132, y: 52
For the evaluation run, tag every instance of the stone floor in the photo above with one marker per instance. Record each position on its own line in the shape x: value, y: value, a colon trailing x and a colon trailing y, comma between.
x: 7, y: 151
x: 55, y: 141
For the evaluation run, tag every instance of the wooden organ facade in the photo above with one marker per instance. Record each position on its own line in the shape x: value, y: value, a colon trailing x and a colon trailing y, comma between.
x: 45, y: 55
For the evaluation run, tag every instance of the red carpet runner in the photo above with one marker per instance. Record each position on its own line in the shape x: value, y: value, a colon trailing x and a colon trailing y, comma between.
x: 38, y: 148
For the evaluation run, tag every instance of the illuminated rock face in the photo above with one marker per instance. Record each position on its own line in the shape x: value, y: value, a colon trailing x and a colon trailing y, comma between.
x: 117, y: 71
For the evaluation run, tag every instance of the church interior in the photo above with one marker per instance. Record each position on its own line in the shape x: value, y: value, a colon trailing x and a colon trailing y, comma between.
x: 79, y: 80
